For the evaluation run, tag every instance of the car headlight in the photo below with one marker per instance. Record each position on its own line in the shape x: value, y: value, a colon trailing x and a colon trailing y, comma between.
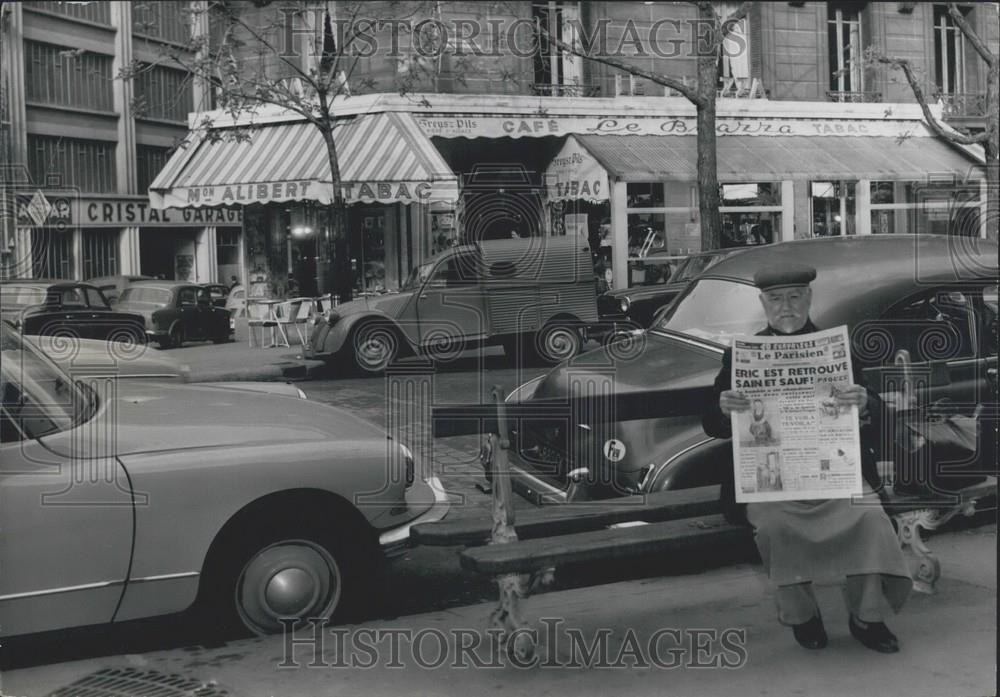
x: 332, y: 317
x: 408, y: 465
x: 302, y: 394
x: 624, y: 304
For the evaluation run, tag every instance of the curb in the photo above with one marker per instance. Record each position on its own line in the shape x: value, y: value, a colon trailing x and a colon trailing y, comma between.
x: 286, y: 370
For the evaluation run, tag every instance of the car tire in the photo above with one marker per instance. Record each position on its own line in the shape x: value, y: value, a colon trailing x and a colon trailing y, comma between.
x: 304, y: 567
x: 557, y: 342
x: 175, y: 338
x: 374, y: 346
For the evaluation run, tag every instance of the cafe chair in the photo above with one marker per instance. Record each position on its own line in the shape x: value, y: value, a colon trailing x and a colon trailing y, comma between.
x: 262, y: 316
x: 294, y: 313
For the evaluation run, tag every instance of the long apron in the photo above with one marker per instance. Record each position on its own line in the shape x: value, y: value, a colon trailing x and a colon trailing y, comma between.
x: 823, y: 541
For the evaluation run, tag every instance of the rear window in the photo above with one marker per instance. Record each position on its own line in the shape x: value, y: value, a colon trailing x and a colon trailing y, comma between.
x: 21, y: 296
x: 153, y: 296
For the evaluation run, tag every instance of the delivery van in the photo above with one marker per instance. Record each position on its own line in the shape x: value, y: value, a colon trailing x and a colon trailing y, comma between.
x: 534, y: 296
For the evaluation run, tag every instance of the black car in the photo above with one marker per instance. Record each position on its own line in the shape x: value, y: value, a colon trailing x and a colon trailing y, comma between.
x: 639, y: 304
x: 929, y: 301
x: 177, y: 311
x: 66, y: 308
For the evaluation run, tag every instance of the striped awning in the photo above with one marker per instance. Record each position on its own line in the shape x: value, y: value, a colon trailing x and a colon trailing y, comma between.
x: 383, y: 158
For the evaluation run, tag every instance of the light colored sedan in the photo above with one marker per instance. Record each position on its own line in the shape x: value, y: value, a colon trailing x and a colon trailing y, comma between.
x: 122, y: 499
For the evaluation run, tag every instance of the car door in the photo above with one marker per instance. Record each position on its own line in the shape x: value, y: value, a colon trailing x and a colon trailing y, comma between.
x: 948, y: 336
x: 451, y: 304
x: 190, y: 316
x: 67, y: 313
x: 99, y: 322
x: 67, y: 522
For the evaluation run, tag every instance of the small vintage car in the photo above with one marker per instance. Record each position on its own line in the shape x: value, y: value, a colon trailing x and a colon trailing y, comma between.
x: 250, y: 507
x: 236, y: 301
x: 929, y: 301
x: 638, y: 305
x: 67, y: 309
x: 534, y: 296
x: 114, y: 286
x: 177, y: 311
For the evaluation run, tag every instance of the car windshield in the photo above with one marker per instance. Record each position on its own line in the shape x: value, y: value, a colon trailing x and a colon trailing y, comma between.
x: 37, y: 396
x: 152, y: 296
x: 716, y: 310
x: 419, y: 275
x: 21, y: 296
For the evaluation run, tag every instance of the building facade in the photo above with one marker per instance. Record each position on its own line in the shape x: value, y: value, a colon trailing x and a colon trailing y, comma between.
x: 813, y: 140
x: 81, y: 146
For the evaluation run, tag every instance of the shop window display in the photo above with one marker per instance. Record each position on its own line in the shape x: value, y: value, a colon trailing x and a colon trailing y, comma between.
x: 924, y: 207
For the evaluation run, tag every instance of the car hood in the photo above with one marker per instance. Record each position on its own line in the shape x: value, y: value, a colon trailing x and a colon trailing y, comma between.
x: 643, y: 291
x: 388, y: 304
x: 95, y: 356
x: 151, y: 416
x: 638, y: 363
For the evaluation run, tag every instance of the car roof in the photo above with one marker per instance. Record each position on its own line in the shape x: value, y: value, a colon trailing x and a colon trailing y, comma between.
x: 857, y: 276
x: 45, y: 282
x: 154, y: 283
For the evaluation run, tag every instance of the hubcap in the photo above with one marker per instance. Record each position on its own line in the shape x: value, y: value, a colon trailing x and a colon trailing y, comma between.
x: 376, y: 349
x: 295, y: 579
x: 560, y: 344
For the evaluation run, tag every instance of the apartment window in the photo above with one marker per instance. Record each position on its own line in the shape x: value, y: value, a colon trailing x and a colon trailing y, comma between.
x: 100, y: 253
x: 949, y: 53
x: 97, y: 12
x: 149, y: 161
x: 58, y: 75
x: 844, y: 45
x: 169, y: 21
x: 734, y: 58
x: 163, y: 93
x: 562, y: 21
x: 88, y: 165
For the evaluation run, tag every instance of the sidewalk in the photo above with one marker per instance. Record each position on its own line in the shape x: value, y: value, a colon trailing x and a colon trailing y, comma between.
x: 948, y: 645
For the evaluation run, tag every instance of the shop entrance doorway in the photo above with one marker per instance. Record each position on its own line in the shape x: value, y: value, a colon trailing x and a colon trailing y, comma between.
x: 303, y: 261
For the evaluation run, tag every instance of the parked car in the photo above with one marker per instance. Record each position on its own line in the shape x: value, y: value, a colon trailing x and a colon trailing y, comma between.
x: 236, y: 301
x: 114, y: 286
x: 927, y: 295
x: 534, y: 296
x: 638, y: 305
x: 67, y: 308
x: 219, y: 293
x: 177, y: 311
x: 209, y: 499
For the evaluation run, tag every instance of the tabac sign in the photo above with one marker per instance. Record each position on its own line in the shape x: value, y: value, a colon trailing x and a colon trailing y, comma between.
x: 575, y: 174
x: 306, y: 190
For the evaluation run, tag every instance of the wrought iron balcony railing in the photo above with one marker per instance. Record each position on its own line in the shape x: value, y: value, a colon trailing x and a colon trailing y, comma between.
x: 548, y: 89
x: 962, y: 104
x: 854, y: 97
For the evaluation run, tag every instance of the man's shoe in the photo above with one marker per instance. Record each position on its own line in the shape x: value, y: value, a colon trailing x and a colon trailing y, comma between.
x: 811, y: 634
x: 875, y: 635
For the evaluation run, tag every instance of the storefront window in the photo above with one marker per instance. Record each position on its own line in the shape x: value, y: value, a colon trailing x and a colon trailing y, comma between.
x: 833, y: 208
x: 644, y: 195
x: 924, y: 207
x: 759, y: 194
x: 751, y: 214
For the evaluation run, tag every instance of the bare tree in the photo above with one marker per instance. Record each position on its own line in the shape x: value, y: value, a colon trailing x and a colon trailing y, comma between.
x: 254, y: 53
x: 988, y: 138
x: 712, y: 32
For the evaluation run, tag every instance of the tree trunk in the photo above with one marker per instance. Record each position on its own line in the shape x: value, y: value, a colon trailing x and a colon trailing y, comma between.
x: 333, y: 270
x: 708, y: 170
x: 992, y: 150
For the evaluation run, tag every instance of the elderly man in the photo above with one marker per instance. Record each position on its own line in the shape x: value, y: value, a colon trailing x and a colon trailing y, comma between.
x: 819, y: 540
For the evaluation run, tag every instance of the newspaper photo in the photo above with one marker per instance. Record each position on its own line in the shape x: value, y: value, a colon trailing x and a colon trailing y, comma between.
x: 796, y: 441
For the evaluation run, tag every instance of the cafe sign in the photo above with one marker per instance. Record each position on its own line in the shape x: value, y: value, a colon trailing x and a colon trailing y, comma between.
x: 537, y: 126
x: 575, y: 174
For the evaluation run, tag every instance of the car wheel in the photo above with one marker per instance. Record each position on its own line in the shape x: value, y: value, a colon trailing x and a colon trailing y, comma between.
x: 289, y: 571
x: 558, y: 342
x: 374, y: 347
x: 176, y: 336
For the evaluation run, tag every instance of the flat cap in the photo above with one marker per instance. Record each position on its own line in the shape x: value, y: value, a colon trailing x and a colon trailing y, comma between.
x: 771, y: 277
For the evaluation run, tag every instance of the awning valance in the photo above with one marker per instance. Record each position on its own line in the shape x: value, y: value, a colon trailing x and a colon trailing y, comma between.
x: 647, y: 158
x: 383, y: 158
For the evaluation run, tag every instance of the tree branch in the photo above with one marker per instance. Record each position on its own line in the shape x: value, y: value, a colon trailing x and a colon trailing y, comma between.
x: 918, y: 94
x: 688, y: 92
x: 981, y: 48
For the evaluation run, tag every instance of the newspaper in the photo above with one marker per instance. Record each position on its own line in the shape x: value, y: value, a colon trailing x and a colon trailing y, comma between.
x: 795, y: 442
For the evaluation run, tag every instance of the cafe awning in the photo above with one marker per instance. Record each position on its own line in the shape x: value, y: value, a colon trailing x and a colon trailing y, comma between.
x: 645, y: 158
x: 575, y: 174
x: 383, y: 158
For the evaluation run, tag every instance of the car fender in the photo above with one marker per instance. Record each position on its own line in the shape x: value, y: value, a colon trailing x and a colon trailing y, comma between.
x: 184, y: 498
x: 338, y: 335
